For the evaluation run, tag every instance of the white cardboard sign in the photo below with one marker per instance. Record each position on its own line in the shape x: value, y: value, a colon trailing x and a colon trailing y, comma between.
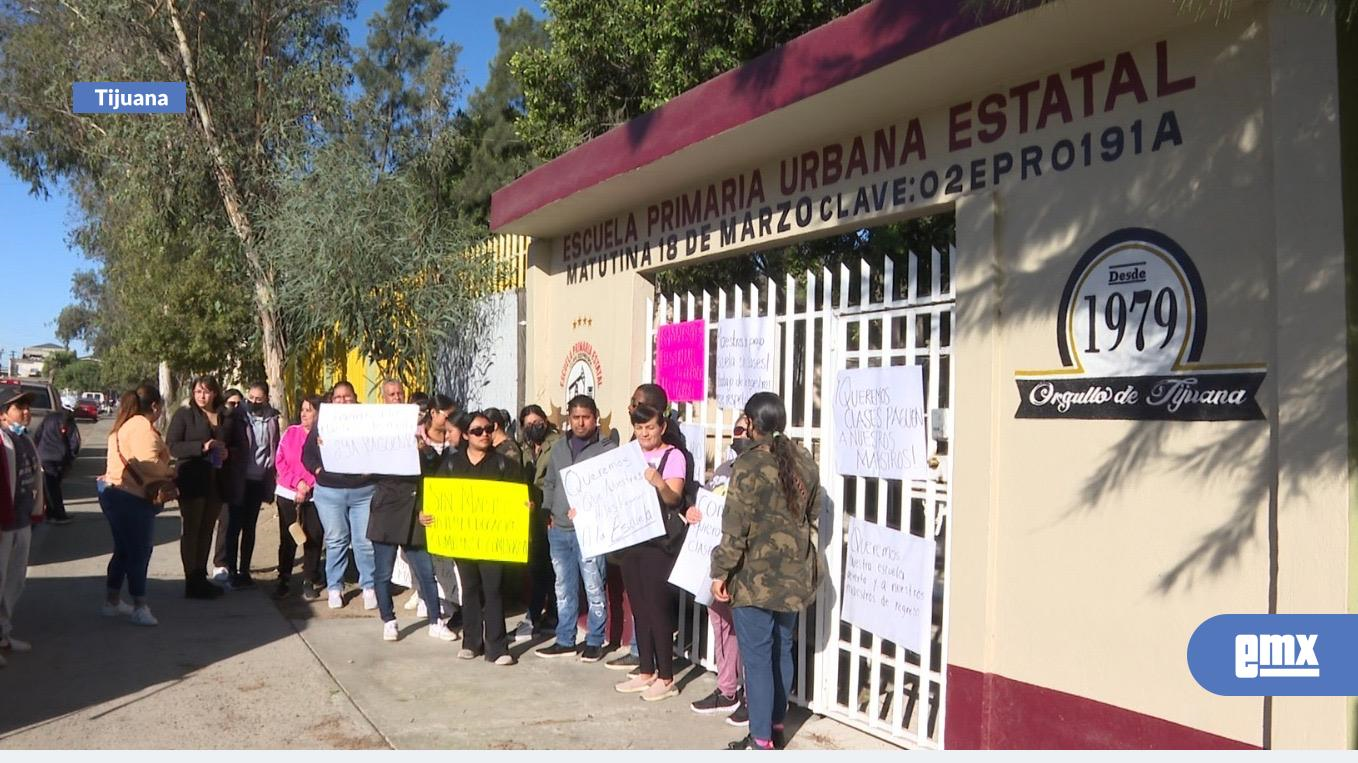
x: 880, y: 423
x: 888, y: 583
x: 695, y: 558
x: 747, y: 354
x: 614, y: 505
x: 369, y: 439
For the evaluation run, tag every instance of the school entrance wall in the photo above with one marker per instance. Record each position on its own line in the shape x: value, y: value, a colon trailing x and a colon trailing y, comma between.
x: 1148, y: 345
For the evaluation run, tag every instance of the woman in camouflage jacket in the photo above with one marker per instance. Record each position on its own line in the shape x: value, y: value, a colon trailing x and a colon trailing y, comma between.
x: 766, y: 564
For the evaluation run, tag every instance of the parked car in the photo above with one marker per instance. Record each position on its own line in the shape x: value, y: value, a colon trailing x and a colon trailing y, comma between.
x: 87, y: 408
x: 45, y: 397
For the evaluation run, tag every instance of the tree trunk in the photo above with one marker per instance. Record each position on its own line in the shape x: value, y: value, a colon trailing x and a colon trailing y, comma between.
x: 266, y: 298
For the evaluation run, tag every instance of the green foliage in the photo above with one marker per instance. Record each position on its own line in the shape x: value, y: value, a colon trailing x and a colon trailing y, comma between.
x: 80, y: 376
x: 611, y: 61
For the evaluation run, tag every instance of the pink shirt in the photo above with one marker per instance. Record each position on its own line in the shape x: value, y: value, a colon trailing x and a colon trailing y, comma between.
x: 675, y: 467
x: 289, y: 463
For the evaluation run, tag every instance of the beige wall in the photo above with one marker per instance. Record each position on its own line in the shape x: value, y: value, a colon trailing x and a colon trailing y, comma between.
x: 1086, y: 552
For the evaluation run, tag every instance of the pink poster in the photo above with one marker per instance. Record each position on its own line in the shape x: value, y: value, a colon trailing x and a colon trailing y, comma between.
x: 681, y: 362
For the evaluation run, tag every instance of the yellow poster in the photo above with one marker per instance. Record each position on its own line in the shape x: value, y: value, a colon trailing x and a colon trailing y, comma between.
x: 477, y: 519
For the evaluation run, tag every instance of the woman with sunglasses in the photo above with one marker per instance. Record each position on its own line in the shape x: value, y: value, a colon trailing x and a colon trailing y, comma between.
x: 483, y: 609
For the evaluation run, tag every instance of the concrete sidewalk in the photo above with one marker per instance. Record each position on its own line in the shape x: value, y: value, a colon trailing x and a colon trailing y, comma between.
x: 244, y: 672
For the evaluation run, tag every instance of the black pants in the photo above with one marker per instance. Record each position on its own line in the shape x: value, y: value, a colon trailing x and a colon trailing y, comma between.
x: 311, y: 550
x: 645, y: 573
x: 483, y: 608
x: 199, y: 516
x: 240, y: 528
x: 52, y: 475
x: 219, y: 545
x: 541, y: 578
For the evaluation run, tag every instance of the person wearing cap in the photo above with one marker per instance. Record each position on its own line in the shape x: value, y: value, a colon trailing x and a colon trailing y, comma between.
x: 58, y: 442
x: 21, y: 504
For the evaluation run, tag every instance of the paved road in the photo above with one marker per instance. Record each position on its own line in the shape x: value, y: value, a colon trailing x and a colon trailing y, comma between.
x: 242, y: 672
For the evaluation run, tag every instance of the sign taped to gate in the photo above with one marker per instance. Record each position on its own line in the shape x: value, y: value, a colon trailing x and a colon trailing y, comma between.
x: 747, y: 354
x: 477, y: 519
x: 880, y: 423
x: 888, y: 583
x: 614, y: 505
x: 681, y: 360
x: 369, y: 439
x: 695, y: 558
x: 695, y: 441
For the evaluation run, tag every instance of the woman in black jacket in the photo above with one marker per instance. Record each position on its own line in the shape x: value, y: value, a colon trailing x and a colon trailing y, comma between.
x: 197, y: 438
x: 483, y: 609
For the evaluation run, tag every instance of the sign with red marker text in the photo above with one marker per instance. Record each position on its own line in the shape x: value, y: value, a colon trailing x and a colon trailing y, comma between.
x: 681, y: 361
x: 477, y: 519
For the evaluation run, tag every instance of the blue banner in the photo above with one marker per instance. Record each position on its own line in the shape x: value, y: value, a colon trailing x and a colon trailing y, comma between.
x: 128, y: 97
x: 1276, y: 655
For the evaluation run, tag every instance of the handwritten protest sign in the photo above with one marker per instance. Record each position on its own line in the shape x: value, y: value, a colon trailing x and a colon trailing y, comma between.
x: 695, y: 440
x: 747, y: 353
x: 880, y: 423
x: 369, y: 439
x: 477, y: 519
x: 681, y: 360
x: 888, y: 583
x: 615, y: 506
x: 695, y: 558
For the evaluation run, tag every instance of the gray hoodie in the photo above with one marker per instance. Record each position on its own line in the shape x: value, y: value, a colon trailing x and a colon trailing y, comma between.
x: 561, y: 456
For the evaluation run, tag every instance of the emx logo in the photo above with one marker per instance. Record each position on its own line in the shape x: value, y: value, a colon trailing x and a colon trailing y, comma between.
x: 1270, y: 655
x: 1276, y: 655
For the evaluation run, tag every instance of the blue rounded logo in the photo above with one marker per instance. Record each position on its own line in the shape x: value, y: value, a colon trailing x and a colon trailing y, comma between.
x: 1276, y: 655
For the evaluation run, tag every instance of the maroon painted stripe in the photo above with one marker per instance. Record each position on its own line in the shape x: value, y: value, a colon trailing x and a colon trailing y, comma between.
x: 844, y: 49
x: 988, y: 711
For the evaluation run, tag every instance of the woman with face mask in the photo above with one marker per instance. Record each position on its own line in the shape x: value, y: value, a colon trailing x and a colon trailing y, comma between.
x: 539, y: 435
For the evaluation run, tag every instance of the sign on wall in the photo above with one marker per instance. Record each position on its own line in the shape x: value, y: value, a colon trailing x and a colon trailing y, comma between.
x: 615, y: 506
x: 681, y: 361
x: 477, y: 519
x: 691, y: 568
x: 369, y: 439
x: 1130, y: 330
x: 888, y: 582
x: 747, y: 354
x: 880, y: 422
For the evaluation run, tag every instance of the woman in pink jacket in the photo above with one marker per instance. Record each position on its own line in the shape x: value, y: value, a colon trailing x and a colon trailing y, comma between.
x: 294, y: 499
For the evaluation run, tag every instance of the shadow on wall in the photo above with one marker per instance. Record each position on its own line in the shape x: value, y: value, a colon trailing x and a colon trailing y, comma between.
x: 1234, y: 458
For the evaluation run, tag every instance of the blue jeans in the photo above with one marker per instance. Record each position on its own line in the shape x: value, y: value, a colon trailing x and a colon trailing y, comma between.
x: 131, y: 518
x: 570, y: 569
x: 421, y: 569
x: 344, y: 515
x: 765, y: 641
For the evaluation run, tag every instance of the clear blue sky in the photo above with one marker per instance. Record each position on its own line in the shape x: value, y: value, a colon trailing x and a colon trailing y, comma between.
x: 33, y: 230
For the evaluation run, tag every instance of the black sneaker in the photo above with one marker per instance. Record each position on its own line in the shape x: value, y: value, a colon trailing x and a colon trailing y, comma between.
x: 747, y: 743
x: 282, y: 590
x: 592, y: 654
x: 779, y: 741
x: 59, y: 521
x: 626, y: 662
x: 715, y: 703
x: 556, y: 650
x: 741, y: 715
x: 310, y: 592
x: 241, y: 582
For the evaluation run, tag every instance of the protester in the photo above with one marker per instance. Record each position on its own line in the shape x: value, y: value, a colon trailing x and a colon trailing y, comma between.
x: 766, y: 563
x: 539, y: 435
x: 138, y: 462
x: 21, y: 504
x: 500, y: 439
x: 483, y: 610
x: 252, y: 478
x: 293, y: 496
x: 344, y: 502
x: 581, y: 444
x: 728, y: 697
x: 646, y: 566
x: 198, y: 436
x: 437, y: 434
x: 58, y: 441
x: 445, y: 568
x: 231, y: 400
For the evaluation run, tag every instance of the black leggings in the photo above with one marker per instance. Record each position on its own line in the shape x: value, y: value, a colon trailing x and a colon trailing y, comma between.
x: 311, y: 550
x: 645, y: 573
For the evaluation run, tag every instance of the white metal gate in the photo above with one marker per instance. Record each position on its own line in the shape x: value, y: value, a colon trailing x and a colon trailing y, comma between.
x: 888, y: 310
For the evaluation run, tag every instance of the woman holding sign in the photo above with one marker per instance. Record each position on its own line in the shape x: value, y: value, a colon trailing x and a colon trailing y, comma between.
x: 766, y: 564
x: 646, y: 566
x: 483, y: 608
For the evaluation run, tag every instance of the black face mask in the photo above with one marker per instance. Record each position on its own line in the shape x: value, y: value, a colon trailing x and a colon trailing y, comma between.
x: 535, y: 433
x: 253, y: 407
x: 741, y: 444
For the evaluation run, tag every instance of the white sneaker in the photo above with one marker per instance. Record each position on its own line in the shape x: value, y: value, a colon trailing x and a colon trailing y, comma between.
x: 421, y: 610
x: 369, y: 598
x: 221, y: 574
x: 443, y: 633
x: 143, y: 616
x: 414, y: 601
x: 15, y: 645
x: 522, y: 633
x: 389, y: 631
x: 121, y: 609
x: 336, y: 599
